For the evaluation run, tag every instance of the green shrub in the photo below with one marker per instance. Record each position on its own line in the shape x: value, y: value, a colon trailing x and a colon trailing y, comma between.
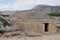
x: 55, y: 14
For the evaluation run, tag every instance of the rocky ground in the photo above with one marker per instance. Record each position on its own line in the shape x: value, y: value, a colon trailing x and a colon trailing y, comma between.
x: 44, y: 37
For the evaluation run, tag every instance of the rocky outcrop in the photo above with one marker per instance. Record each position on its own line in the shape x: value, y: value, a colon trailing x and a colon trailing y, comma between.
x: 7, y: 28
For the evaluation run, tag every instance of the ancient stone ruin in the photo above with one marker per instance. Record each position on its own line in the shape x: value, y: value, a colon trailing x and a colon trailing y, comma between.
x: 27, y: 27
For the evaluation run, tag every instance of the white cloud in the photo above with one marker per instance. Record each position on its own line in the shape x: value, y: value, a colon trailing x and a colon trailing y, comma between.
x: 25, y: 4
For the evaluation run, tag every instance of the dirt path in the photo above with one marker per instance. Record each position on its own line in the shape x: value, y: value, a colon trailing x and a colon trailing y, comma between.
x: 49, y: 37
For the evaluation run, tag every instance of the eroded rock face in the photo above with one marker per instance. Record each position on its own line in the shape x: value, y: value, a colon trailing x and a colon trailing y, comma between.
x: 6, y: 27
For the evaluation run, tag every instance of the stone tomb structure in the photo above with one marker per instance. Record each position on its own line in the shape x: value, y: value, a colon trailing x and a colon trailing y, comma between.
x: 35, y: 26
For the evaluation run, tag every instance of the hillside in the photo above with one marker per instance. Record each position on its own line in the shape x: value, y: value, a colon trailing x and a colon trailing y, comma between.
x: 38, y: 11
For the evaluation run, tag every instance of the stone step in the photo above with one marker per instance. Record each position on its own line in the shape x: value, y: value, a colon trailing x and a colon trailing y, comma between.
x: 12, y: 33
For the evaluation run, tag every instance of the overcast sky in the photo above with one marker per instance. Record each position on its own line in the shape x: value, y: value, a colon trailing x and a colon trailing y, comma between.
x: 25, y: 4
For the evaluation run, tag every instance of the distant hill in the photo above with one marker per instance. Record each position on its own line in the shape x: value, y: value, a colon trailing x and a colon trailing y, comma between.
x: 36, y: 12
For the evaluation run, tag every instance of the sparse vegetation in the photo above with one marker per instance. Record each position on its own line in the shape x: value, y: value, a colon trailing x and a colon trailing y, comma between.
x: 54, y: 14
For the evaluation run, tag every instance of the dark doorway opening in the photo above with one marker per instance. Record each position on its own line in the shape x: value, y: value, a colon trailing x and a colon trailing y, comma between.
x: 46, y: 27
